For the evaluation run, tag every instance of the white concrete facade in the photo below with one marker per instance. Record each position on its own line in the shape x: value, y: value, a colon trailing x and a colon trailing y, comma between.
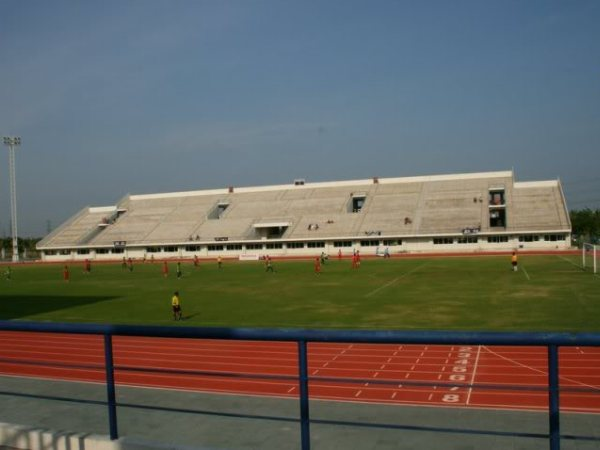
x: 477, y: 212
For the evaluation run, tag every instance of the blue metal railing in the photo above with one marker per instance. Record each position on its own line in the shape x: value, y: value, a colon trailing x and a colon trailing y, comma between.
x: 552, y: 341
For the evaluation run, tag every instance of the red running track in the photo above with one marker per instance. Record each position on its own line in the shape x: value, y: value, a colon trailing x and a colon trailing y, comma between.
x: 522, y: 370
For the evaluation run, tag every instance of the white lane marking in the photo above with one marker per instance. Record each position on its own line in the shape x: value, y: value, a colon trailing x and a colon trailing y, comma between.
x: 525, y: 272
x: 473, y: 374
x: 291, y: 389
x: 596, y: 388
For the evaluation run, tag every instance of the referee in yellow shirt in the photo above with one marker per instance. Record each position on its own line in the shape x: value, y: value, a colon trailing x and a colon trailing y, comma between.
x: 176, y: 304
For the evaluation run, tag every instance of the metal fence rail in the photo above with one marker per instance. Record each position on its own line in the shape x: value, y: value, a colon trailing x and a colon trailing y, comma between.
x: 551, y: 341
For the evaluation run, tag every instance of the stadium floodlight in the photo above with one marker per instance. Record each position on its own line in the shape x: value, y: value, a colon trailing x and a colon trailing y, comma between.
x: 11, y: 142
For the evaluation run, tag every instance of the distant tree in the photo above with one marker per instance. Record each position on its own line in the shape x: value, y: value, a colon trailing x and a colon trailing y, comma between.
x: 585, y: 224
x: 25, y: 244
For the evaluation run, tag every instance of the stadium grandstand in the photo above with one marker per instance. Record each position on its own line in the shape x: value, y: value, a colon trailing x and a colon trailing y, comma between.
x: 471, y: 212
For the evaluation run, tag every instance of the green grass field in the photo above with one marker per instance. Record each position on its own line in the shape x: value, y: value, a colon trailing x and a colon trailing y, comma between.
x: 548, y: 293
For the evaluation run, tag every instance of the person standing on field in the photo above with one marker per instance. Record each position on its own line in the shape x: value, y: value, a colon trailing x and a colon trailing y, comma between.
x: 269, y: 265
x: 317, y: 265
x: 178, y: 270
x: 176, y: 306
x: 165, y: 269
x: 87, y: 266
x: 513, y: 261
x: 66, y: 274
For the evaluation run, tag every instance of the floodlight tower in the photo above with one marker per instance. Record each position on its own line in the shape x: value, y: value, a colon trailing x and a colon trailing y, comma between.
x: 11, y: 142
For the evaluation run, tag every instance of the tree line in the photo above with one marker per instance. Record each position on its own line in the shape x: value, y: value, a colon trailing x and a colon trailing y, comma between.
x: 26, y: 245
x: 585, y: 224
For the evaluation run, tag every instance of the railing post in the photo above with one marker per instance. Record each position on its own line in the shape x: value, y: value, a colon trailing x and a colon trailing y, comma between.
x: 303, y: 380
x: 553, y: 397
x: 110, y: 387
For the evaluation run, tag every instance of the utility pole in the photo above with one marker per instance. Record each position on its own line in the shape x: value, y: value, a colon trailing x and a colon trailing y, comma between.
x: 11, y: 142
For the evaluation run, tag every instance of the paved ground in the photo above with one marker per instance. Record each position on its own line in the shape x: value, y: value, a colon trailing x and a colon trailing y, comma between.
x: 231, y: 422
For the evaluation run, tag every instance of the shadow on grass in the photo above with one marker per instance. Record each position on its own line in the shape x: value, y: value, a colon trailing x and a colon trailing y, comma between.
x: 19, y: 306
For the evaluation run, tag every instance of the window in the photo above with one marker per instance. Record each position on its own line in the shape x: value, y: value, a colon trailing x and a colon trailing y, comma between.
x: 83, y: 251
x: 214, y: 248
x: 192, y: 248
x: 497, y: 217
x: 496, y: 196
x: 254, y: 246
x: 153, y: 249
x: 295, y: 245
x: 554, y: 237
x: 274, y: 245
x: 102, y: 251
x: 233, y: 247
x: 529, y: 238
x: 356, y: 203
x: 440, y: 241
x: 317, y: 244
x: 342, y: 243
x: 497, y: 239
x: 170, y: 249
x: 389, y: 242
x: 369, y: 243
x: 467, y: 240
x: 218, y: 210
x: 65, y: 252
x: 50, y: 252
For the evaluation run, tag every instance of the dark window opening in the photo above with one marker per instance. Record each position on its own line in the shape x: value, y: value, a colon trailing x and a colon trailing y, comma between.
x: 497, y: 218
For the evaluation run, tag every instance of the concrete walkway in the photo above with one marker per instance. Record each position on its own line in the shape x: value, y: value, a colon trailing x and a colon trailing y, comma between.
x: 212, y: 421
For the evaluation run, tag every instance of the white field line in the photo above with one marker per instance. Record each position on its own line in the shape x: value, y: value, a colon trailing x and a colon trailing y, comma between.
x: 543, y: 372
x: 525, y: 272
x: 473, y: 375
x: 570, y: 262
x: 395, y: 280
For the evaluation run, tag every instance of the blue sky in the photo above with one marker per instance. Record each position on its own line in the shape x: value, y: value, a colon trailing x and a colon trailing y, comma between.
x: 118, y: 97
